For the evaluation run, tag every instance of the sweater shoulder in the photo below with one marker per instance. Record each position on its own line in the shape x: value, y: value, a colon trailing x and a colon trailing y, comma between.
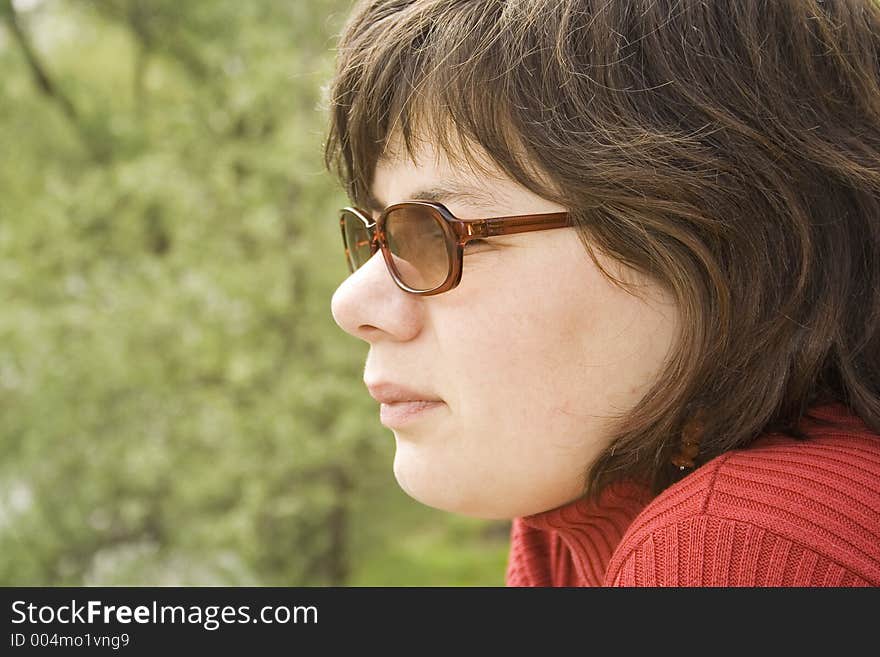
x: 807, y: 508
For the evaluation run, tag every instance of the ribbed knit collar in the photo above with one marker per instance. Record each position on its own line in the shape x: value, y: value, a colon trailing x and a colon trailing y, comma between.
x: 614, y: 502
x: 592, y: 529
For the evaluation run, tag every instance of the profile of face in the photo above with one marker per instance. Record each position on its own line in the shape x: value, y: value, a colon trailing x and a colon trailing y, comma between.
x: 526, y: 362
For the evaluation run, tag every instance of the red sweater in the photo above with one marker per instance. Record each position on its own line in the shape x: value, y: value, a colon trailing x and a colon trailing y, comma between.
x: 782, y: 512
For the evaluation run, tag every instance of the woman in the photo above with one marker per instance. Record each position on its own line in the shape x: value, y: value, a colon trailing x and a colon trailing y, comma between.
x: 618, y: 265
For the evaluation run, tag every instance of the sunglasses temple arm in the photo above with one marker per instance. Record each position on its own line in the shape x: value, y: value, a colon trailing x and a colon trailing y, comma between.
x: 512, y: 225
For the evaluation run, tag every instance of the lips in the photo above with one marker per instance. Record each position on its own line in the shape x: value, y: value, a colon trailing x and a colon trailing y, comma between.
x: 401, y: 405
x: 393, y: 393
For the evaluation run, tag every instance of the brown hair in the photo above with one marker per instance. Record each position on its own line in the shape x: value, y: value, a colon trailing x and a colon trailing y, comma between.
x: 729, y: 150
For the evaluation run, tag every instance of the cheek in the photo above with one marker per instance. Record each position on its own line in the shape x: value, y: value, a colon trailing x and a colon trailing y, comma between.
x: 525, y: 353
x: 564, y: 360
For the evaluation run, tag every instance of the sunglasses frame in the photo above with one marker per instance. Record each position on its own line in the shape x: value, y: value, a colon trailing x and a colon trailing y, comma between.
x: 457, y: 233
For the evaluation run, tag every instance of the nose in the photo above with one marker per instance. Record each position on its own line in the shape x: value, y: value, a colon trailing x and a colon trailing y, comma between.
x: 369, y: 305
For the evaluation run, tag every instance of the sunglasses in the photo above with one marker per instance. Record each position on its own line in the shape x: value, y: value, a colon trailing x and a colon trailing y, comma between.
x: 423, y: 242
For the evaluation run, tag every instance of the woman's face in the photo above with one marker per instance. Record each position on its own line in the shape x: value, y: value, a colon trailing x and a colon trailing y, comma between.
x: 526, y: 362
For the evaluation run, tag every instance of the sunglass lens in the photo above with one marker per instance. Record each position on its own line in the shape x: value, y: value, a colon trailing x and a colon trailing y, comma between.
x: 357, y: 240
x: 418, y: 245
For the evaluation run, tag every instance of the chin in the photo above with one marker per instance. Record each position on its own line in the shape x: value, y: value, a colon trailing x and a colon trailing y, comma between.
x: 443, y: 494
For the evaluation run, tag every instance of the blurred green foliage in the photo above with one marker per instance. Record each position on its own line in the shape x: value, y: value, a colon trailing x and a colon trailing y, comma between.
x: 178, y: 407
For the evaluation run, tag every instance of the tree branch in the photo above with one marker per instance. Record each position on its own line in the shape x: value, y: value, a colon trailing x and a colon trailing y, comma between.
x: 139, y: 24
x: 39, y: 73
x: 44, y: 82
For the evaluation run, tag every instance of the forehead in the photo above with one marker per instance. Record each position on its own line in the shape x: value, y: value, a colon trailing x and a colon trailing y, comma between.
x: 430, y: 174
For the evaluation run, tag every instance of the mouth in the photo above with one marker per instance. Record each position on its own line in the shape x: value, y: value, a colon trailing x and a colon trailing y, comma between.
x: 401, y: 405
x: 396, y: 415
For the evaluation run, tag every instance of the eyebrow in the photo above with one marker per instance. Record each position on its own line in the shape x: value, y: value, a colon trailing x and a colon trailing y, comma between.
x: 444, y: 193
